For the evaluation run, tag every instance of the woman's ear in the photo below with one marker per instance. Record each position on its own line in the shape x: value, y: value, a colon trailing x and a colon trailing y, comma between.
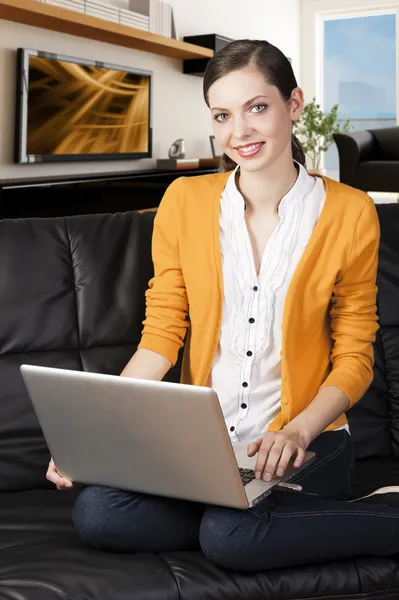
x: 296, y: 104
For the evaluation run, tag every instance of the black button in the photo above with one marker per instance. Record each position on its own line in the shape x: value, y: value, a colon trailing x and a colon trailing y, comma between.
x: 249, y: 353
x: 232, y: 428
x: 243, y: 405
x: 251, y: 320
x: 244, y: 384
x: 255, y: 288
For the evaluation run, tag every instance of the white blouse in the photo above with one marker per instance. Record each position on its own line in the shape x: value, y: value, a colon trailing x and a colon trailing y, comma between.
x: 246, y: 372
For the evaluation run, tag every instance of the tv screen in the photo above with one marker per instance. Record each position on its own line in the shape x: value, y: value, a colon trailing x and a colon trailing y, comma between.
x: 77, y: 109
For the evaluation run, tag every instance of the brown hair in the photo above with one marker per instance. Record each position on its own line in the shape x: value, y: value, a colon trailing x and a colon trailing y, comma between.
x: 270, y: 61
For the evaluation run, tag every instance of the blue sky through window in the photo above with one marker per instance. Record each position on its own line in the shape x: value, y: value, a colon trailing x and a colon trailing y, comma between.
x: 360, y: 66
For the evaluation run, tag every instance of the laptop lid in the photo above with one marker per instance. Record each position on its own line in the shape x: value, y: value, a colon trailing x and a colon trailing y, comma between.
x: 147, y: 436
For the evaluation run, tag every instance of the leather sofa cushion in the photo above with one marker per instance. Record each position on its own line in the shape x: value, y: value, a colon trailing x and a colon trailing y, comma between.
x: 377, y: 175
x: 361, y: 579
x: 387, y: 143
x: 373, y: 473
x: 374, y: 421
x: 370, y: 420
x: 74, y: 298
x: 388, y: 265
x: 42, y: 558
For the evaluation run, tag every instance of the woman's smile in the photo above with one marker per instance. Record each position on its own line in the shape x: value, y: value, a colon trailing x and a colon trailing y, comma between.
x: 249, y: 150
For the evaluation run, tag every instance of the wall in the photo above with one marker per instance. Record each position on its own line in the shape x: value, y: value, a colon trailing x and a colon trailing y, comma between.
x: 178, y: 109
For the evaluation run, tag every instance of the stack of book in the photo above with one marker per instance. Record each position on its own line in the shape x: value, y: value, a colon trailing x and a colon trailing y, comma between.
x: 75, y: 5
x: 134, y: 19
x: 159, y: 14
x: 150, y: 15
x: 108, y: 12
x: 102, y: 11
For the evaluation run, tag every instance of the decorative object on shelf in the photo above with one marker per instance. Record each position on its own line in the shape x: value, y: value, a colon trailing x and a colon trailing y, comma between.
x: 177, y: 149
x: 108, y: 12
x: 209, y: 163
x: 159, y: 14
x: 216, y: 152
x: 315, y: 130
x: 213, y: 41
x: 175, y: 34
x: 177, y: 163
x: 181, y: 164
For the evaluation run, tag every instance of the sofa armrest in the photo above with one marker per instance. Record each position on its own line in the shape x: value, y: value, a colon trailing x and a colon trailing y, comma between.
x: 352, y: 149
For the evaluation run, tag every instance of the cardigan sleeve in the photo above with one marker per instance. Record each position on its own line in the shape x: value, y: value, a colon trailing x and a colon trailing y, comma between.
x: 166, y: 323
x: 353, y: 311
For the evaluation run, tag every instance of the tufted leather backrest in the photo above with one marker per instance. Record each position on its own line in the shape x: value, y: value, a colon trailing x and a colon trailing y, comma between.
x: 374, y: 421
x: 72, y: 296
x: 387, y: 143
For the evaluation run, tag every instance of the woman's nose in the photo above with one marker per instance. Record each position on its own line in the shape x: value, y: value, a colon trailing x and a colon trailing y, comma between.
x: 242, y: 129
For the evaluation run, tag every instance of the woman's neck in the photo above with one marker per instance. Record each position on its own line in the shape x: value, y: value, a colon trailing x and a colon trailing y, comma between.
x: 263, y: 191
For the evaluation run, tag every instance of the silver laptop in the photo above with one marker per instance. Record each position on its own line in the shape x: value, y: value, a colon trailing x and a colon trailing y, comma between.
x: 161, y: 438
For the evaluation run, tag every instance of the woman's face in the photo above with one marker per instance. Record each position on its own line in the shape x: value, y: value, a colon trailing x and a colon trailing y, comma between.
x: 252, y: 122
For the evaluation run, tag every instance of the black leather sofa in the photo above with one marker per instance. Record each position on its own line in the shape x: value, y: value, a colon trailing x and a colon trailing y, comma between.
x: 72, y: 296
x: 369, y: 160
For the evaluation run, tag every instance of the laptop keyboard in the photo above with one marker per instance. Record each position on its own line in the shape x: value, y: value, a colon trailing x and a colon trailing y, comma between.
x: 247, y: 475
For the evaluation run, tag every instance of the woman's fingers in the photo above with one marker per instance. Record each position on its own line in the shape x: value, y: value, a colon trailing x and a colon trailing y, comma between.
x: 300, y: 459
x: 263, y: 454
x: 254, y: 447
x: 275, y: 450
x: 52, y: 475
x: 274, y: 458
x: 286, y: 456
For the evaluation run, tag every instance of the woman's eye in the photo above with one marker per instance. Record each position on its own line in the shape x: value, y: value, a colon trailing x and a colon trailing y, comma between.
x: 221, y: 117
x: 259, y: 108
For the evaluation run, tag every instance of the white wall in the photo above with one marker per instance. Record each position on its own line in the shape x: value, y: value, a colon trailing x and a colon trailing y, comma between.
x: 179, y: 110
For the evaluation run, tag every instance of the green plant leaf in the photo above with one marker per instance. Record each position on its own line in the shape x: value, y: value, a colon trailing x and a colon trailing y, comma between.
x: 315, y: 129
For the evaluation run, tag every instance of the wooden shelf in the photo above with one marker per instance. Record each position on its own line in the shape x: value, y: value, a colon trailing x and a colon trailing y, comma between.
x: 46, y: 16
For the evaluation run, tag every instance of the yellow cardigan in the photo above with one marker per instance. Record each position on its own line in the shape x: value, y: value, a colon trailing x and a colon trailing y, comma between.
x: 329, y: 319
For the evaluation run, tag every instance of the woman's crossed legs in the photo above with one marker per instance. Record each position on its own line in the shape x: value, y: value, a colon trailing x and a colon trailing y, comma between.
x: 285, y: 529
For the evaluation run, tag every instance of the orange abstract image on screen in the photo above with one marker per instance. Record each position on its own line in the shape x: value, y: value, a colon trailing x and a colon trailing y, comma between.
x: 80, y: 109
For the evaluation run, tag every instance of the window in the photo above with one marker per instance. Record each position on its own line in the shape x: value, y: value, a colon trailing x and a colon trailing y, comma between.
x: 360, y: 74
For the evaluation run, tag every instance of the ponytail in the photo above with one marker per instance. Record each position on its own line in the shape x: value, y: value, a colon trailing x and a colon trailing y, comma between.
x: 226, y: 164
x: 297, y: 151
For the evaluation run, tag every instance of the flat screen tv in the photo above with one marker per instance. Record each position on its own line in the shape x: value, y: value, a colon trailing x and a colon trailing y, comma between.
x: 71, y: 109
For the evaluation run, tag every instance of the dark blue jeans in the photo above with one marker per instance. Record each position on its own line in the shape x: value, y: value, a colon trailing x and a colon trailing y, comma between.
x: 286, y: 529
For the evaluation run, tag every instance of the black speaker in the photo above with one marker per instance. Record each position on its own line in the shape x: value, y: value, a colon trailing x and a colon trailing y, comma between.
x: 197, y: 66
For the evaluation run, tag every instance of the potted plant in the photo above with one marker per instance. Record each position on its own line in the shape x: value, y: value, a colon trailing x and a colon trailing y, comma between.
x: 315, y: 130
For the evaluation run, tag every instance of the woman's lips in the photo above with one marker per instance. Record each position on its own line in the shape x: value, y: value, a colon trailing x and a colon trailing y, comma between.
x: 249, y: 150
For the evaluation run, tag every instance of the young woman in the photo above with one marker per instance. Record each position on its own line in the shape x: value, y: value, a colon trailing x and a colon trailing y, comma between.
x: 272, y: 274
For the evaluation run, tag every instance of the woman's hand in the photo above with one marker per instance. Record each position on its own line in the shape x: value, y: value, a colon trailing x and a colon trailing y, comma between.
x: 275, y: 451
x: 52, y: 475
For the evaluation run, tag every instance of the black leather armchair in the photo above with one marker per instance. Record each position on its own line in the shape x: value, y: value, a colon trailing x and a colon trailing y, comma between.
x: 369, y: 160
